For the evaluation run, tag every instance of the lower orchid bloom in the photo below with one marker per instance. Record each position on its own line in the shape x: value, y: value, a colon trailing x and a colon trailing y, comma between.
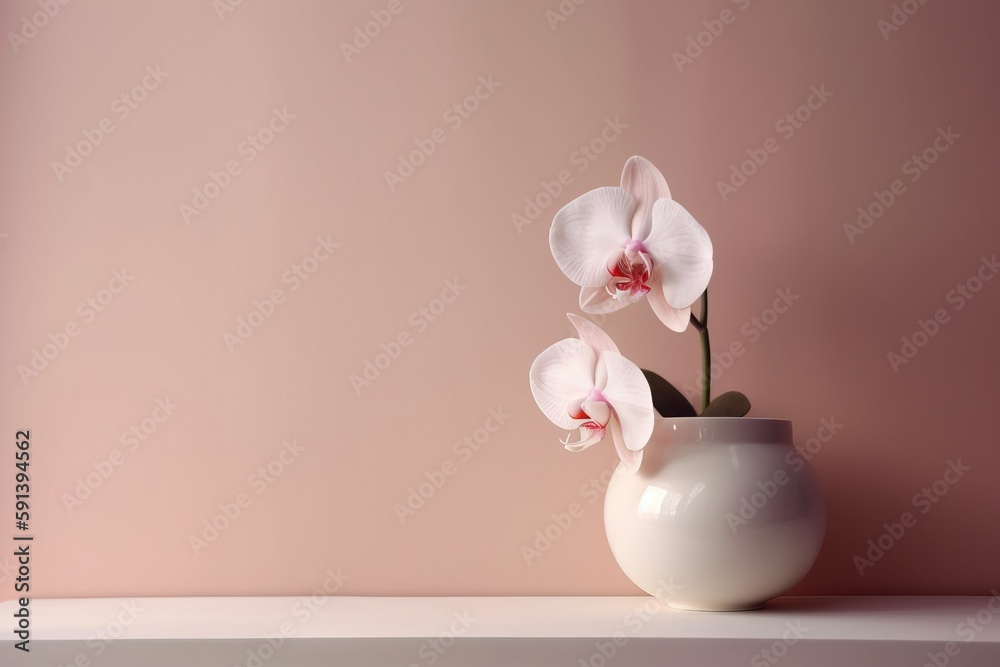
x: 586, y: 384
x: 624, y: 243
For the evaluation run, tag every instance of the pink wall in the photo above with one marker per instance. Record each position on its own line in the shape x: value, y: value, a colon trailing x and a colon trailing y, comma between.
x: 160, y: 333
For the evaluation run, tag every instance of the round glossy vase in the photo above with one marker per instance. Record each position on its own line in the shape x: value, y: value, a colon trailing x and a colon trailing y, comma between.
x: 723, y: 515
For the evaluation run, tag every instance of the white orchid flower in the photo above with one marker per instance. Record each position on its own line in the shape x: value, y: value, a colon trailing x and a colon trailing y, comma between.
x: 587, y: 384
x: 621, y: 244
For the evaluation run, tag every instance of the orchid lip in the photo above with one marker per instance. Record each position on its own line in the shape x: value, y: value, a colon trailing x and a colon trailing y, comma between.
x: 589, y: 433
x: 629, y: 276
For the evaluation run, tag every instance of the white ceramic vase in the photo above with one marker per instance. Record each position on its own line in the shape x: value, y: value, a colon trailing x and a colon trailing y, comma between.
x: 723, y: 515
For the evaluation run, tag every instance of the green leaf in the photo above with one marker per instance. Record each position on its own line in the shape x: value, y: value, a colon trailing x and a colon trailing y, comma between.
x: 729, y: 404
x: 667, y: 400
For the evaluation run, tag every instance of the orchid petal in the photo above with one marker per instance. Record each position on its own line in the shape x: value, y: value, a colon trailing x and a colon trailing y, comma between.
x: 592, y: 335
x: 560, y: 374
x: 600, y: 376
x: 598, y: 411
x: 575, y: 410
x: 646, y: 184
x: 630, y: 459
x: 597, y: 301
x: 681, y: 251
x: 628, y: 393
x: 675, y: 319
x: 586, y: 230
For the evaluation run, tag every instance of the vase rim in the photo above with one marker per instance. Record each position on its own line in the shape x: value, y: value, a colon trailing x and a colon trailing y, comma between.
x: 725, y: 429
x: 746, y: 419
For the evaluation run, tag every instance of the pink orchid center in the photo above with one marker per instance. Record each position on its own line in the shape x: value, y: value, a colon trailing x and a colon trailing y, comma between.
x: 593, y: 422
x: 629, y: 276
x: 595, y: 412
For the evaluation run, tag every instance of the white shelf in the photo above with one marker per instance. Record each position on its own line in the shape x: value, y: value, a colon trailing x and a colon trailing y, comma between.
x: 469, y: 631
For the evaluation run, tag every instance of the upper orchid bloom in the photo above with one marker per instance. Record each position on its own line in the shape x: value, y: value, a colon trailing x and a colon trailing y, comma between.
x: 621, y: 244
x: 587, y: 384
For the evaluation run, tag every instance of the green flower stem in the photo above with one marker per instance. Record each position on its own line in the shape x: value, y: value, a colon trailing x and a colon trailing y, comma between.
x: 706, y: 351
